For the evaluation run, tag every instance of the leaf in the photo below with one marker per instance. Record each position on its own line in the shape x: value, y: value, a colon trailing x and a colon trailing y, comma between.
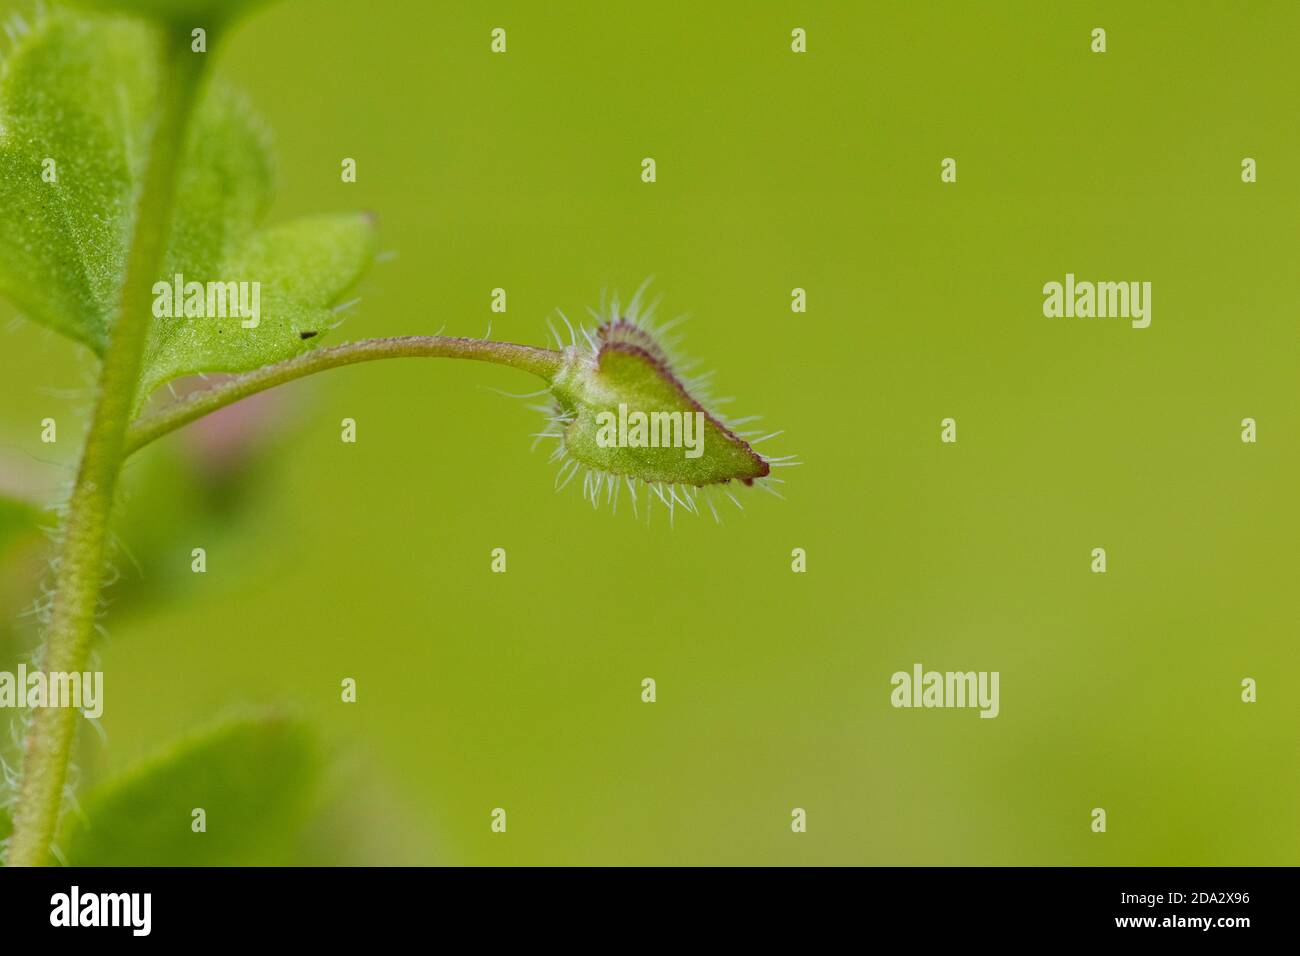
x: 251, y: 777
x: 73, y: 99
x: 81, y: 91
x: 302, y: 269
x: 224, y: 188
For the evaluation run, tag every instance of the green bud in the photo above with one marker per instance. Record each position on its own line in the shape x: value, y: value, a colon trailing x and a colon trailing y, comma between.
x: 624, y: 415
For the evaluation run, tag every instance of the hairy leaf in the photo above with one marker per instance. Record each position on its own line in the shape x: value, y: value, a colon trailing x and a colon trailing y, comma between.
x: 74, y: 96
x: 251, y: 778
x: 78, y: 97
x: 302, y: 268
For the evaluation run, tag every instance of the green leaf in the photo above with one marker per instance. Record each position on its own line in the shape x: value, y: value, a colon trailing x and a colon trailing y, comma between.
x: 302, y: 269
x: 252, y: 778
x: 81, y: 91
x: 73, y: 99
x: 224, y: 188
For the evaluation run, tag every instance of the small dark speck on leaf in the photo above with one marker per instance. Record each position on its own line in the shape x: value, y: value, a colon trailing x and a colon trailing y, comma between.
x: 306, y: 335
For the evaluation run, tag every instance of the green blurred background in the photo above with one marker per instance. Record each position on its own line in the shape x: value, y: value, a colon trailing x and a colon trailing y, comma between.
x: 775, y: 170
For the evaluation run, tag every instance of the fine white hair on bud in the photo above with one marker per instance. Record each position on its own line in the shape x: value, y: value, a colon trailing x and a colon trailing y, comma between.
x: 627, y: 416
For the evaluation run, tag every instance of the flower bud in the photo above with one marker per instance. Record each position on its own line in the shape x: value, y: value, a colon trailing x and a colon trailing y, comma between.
x: 623, y: 414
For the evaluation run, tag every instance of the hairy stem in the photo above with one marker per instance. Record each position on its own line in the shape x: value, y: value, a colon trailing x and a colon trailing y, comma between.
x: 541, y: 362
x: 79, y: 569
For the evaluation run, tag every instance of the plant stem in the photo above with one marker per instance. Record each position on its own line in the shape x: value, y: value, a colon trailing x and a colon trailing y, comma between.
x: 542, y: 362
x: 79, y: 570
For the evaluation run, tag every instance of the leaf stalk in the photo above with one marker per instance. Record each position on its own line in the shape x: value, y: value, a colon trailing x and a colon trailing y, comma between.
x: 542, y: 362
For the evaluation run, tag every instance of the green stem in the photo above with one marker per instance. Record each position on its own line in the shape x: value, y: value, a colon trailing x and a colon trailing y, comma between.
x: 80, y: 567
x: 542, y: 362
